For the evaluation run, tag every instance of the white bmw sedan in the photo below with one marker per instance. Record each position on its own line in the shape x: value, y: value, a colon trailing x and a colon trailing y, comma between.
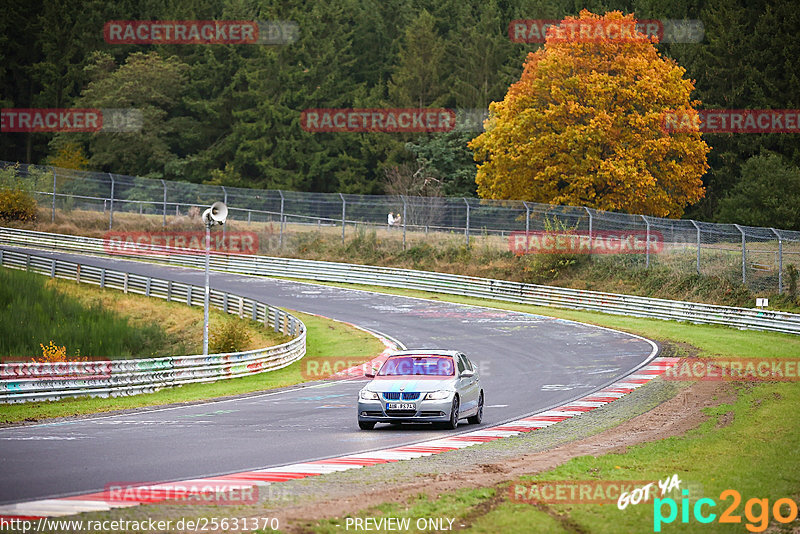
x: 422, y: 386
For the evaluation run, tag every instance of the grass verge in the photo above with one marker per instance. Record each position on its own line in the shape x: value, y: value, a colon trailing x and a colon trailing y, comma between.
x: 325, y: 337
x: 107, y: 323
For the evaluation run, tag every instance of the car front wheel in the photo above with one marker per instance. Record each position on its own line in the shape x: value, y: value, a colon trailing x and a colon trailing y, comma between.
x: 476, y: 419
x: 454, y: 415
x: 364, y: 425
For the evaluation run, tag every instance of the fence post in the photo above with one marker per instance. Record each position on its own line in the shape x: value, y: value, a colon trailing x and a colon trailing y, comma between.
x: 164, y: 205
x: 280, y: 221
x: 53, y: 217
x: 224, y: 201
x: 466, y: 228
x: 698, y: 244
x: 527, y: 227
x: 111, y: 204
x: 647, y: 243
x: 744, y: 255
x: 344, y: 210
x: 591, y: 237
x: 780, y: 261
x: 404, y: 221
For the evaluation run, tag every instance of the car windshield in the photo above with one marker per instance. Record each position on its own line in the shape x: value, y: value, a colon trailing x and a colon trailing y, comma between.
x: 418, y: 365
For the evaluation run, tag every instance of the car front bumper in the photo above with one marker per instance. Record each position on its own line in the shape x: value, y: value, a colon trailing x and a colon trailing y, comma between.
x: 426, y: 411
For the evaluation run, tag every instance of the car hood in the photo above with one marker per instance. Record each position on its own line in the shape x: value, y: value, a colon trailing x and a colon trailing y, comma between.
x: 410, y: 384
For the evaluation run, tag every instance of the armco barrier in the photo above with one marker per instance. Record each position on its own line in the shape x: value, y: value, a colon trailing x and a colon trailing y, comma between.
x: 744, y: 318
x: 29, y: 381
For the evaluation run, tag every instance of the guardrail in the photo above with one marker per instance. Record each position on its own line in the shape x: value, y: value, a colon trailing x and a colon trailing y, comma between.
x: 31, y: 381
x: 538, y: 295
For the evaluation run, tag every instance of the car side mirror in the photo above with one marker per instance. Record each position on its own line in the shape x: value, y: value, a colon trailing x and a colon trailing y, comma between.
x: 467, y: 373
x: 369, y: 374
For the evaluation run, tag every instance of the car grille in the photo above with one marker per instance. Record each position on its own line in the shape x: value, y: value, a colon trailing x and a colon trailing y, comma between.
x: 401, y: 413
x: 396, y: 395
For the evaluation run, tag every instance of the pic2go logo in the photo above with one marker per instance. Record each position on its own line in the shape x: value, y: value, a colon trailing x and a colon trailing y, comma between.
x: 756, y: 511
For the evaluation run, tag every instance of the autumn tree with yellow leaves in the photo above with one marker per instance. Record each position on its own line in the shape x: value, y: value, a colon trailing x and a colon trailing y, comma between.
x: 583, y: 125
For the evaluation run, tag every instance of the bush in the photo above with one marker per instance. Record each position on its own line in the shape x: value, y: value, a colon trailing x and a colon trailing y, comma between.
x: 231, y: 336
x: 52, y: 353
x: 17, y: 205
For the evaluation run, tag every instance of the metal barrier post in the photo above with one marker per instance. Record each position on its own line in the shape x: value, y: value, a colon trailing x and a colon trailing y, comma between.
x: 344, y: 210
x: 780, y: 261
x: 53, y: 217
x: 225, y: 201
x: 591, y: 239
x: 466, y: 228
x: 527, y: 227
x: 164, y: 205
x: 647, y: 243
x: 280, y: 221
x: 744, y: 255
x: 404, y: 221
x: 111, y: 211
x: 698, y: 244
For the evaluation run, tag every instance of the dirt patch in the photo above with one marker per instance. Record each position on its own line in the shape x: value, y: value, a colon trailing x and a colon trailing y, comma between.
x: 672, y: 418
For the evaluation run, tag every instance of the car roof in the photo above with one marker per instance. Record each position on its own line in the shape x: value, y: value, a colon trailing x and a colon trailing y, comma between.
x: 425, y: 352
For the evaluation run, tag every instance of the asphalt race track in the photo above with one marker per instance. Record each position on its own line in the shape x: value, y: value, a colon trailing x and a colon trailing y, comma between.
x: 528, y: 364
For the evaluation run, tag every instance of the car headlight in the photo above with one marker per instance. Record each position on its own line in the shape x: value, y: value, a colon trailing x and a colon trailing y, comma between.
x: 437, y: 395
x: 368, y: 395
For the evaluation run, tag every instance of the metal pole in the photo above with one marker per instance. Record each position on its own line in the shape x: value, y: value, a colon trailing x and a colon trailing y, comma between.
x: 780, y: 261
x: 164, y: 205
x: 206, y: 297
x: 591, y: 237
x: 280, y: 238
x: 527, y: 227
x: 53, y: 218
x: 698, y: 244
x: 344, y: 210
x: 111, y: 211
x: 647, y: 243
x: 225, y: 201
x: 744, y: 255
x: 404, y: 221
x: 466, y: 229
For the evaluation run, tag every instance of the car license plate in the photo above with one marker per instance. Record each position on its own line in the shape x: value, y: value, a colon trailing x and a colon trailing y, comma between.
x: 401, y: 406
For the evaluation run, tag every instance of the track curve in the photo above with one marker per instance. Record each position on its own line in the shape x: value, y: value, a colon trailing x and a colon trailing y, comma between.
x: 528, y: 363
